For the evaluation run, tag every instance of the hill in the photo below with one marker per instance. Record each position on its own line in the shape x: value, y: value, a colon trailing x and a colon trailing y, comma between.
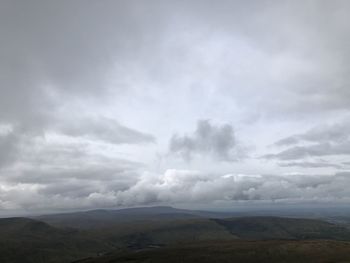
x: 258, y: 228
x: 30, y: 240
x: 102, y: 218
x: 275, y: 251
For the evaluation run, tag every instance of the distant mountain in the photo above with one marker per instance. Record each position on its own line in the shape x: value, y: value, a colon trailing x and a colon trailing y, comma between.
x: 104, y: 218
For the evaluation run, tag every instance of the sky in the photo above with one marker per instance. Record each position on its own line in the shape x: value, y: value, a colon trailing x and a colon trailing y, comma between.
x: 122, y: 103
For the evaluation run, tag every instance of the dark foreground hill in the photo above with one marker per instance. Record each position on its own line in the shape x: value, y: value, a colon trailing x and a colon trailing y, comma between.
x: 273, y: 251
x: 31, y: 241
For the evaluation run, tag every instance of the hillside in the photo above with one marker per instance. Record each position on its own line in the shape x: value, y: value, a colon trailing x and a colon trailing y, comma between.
x: 102, y: 218
x: 275, y: 251
x: 258, y: 228
x: 28, y: 240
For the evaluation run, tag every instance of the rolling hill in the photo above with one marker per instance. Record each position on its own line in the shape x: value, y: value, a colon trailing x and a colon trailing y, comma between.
x: 55, y: 240
x: 102, y: 218
x: 31, y: 241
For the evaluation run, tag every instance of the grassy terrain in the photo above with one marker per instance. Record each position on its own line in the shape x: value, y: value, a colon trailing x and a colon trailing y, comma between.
x: 31, y: 241
x: 241, y: 251
x: 283, y: 228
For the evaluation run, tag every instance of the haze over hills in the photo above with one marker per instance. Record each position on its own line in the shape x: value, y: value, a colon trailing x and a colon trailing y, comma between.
x: 101, y: 218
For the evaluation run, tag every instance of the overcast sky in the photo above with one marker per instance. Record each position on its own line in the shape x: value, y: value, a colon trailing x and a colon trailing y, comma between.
x: 116, y: 103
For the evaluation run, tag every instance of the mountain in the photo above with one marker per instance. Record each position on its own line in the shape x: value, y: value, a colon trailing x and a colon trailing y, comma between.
x: 102, y: 218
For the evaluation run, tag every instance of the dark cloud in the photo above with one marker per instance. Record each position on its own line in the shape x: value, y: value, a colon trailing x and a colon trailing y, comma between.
x: 218, y: 142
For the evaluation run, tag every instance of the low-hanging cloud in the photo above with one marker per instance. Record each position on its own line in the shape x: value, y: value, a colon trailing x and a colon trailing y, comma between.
x: 177, y: 187
x: 190, y: 186
x: 218, y: 142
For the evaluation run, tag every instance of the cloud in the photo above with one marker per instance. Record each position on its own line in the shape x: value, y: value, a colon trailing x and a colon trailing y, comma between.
x: 325, y: 140
x: 218, y: 142
x: 55, y: 64
x: 178, y: 187
x: 194, y: 187
x: 310, y: 165
x: 105, y: 129
x: 316, y: 150
x: 65, y: 175
x: 335, y: 133
x: 8, y: 144
x: 107, y: 78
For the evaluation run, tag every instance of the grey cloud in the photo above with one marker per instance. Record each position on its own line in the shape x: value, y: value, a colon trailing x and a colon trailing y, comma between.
x: 105, y: 129
x: 311, y: 165
x: 178, y: 187
x: 54, y: 54
x: 65, y: 175
x: 316, y: 77
x: 325, y: 140
x: 59, y: 55
x: 8, y: 145
x: 216, y: 141
x: 316, y: 150
x: 337, y: 132
x: 66, y: 48
x: 230, y: 188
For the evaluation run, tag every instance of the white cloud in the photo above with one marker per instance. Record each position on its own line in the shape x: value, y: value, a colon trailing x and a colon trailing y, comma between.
x: 181, y: 187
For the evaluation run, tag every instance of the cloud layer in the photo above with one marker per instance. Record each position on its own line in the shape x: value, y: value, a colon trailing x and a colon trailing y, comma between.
x: 91, y: 92
x: 174, y: 187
